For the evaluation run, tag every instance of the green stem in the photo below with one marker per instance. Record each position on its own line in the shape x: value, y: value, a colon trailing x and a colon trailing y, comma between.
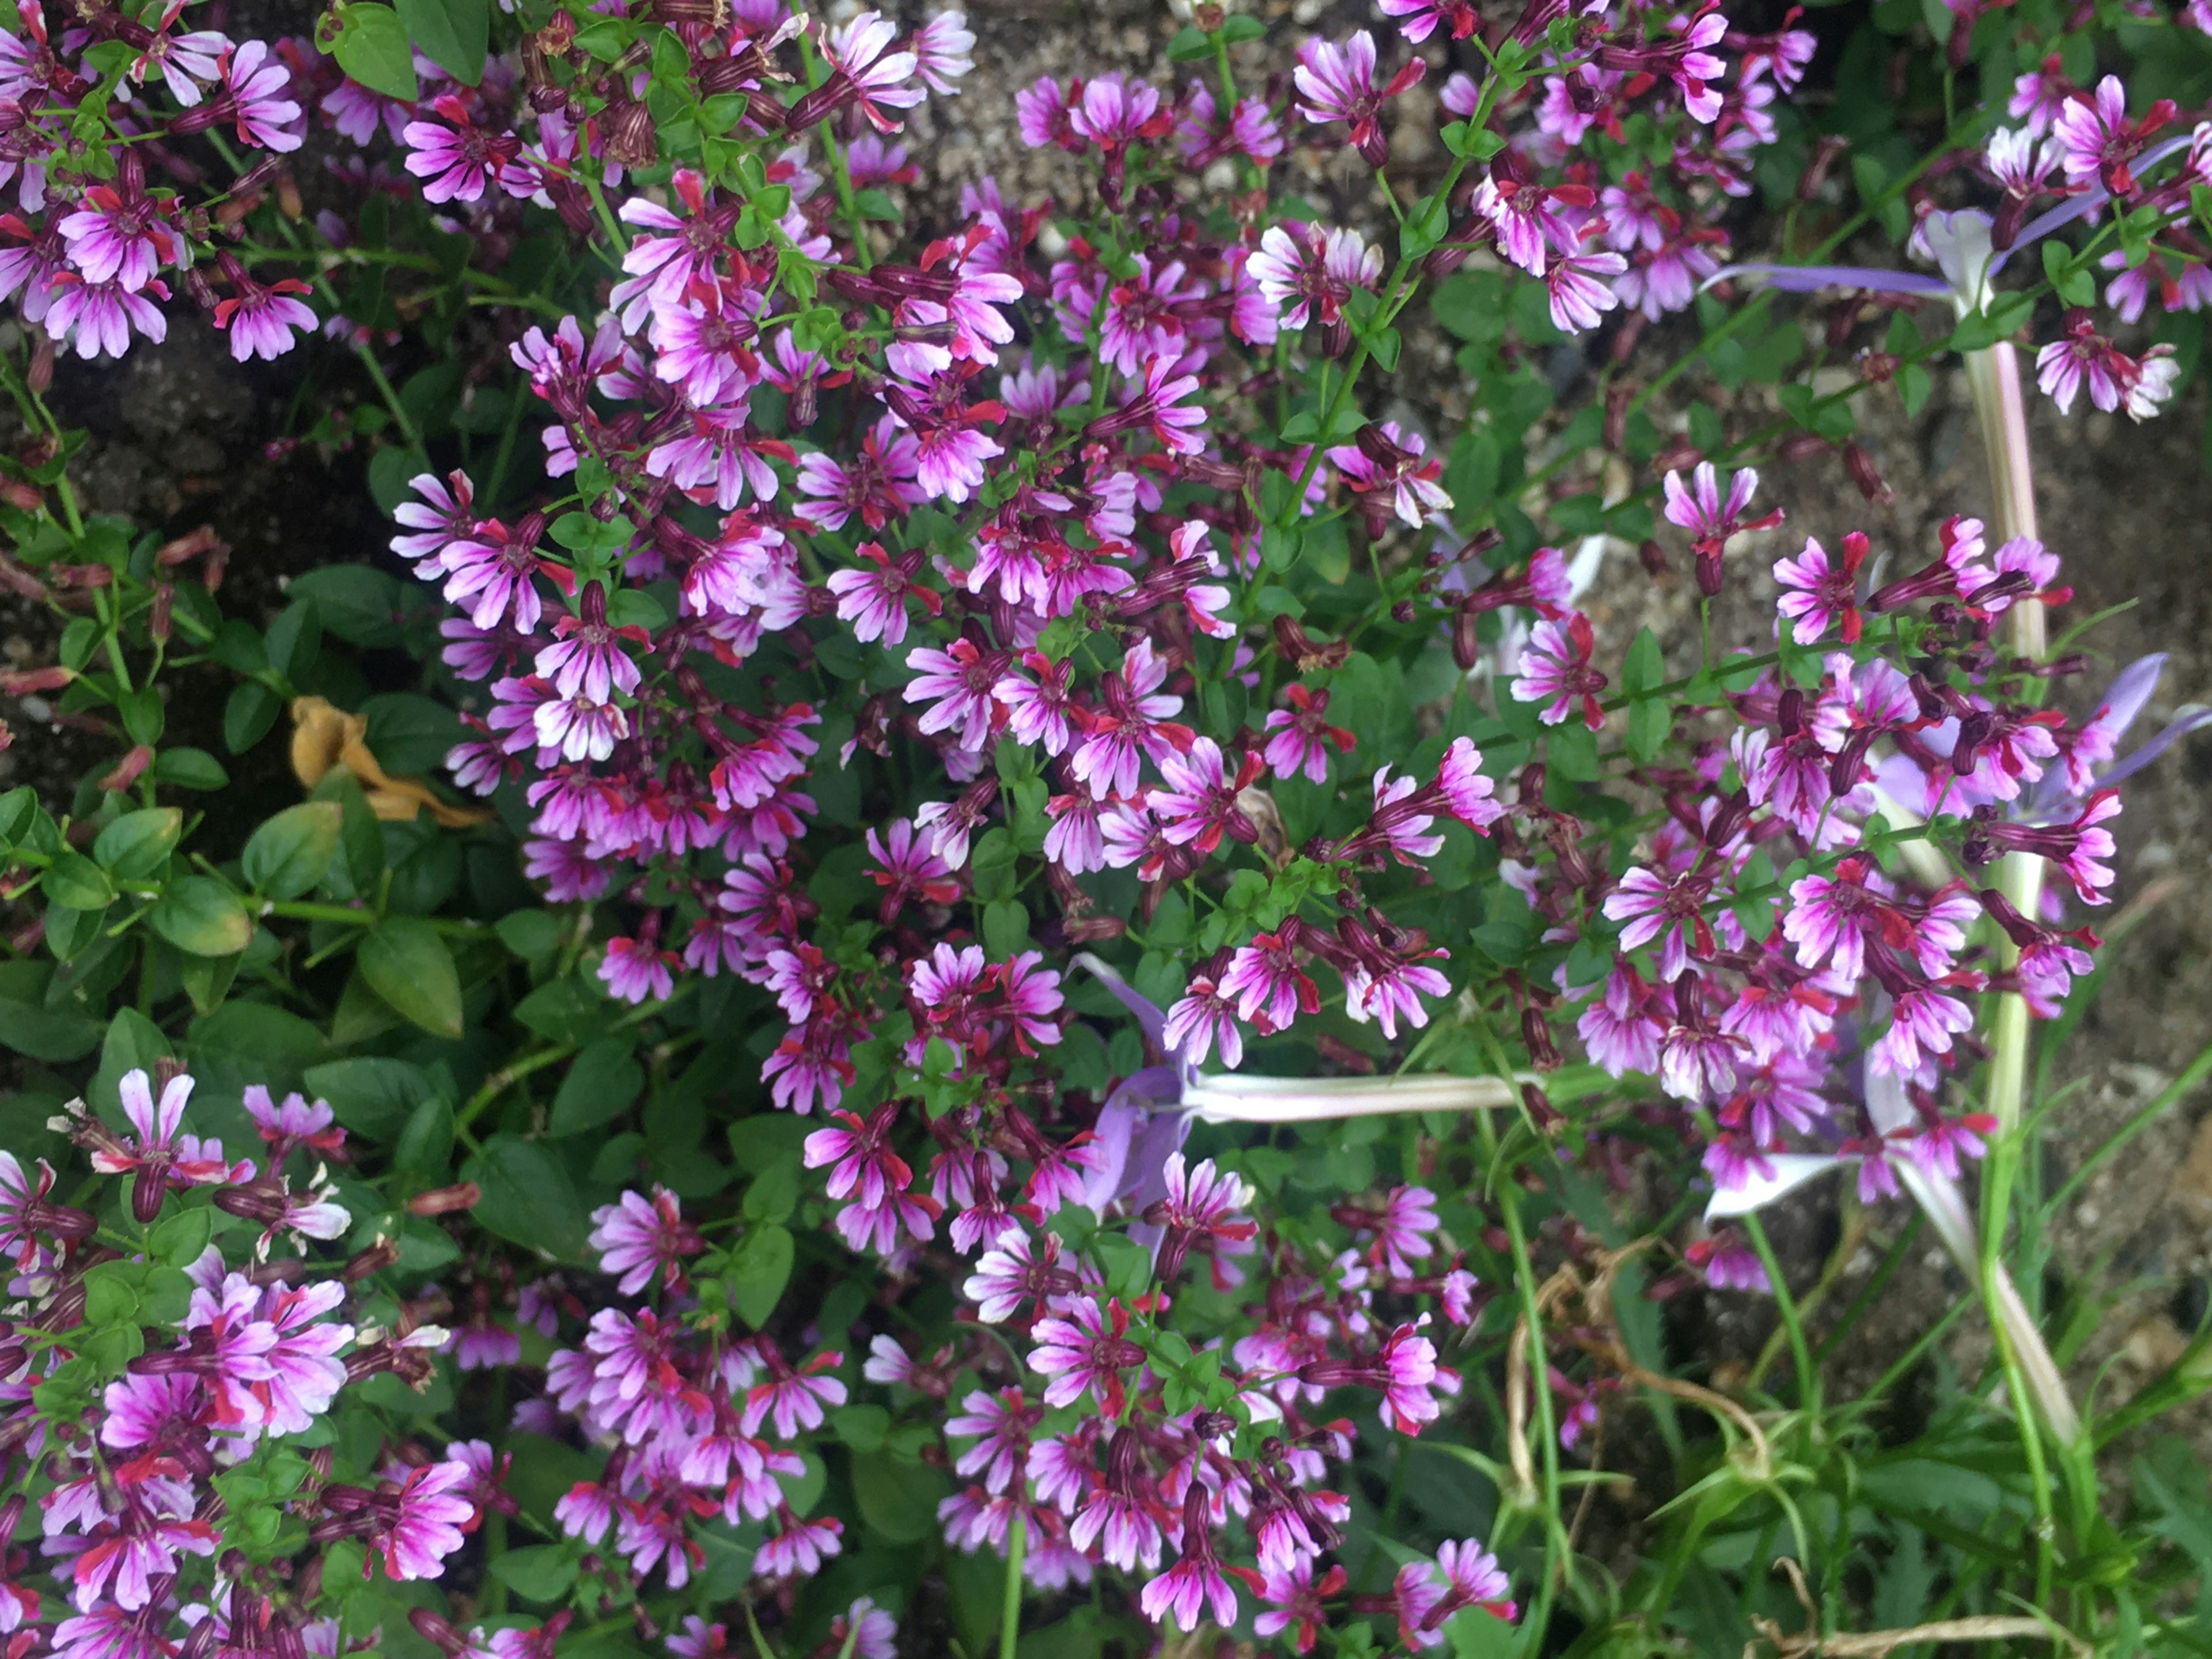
x: 1808, y: 1375
x: 1010, y: 1615
x: 400, y: 417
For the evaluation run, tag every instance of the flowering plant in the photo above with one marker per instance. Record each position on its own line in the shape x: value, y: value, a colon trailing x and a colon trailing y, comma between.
x: 1231, y: 993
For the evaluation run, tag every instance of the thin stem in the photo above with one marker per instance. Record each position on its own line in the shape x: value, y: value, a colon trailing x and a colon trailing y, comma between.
x: 1010, y: 1616
x: 1809, y: 1375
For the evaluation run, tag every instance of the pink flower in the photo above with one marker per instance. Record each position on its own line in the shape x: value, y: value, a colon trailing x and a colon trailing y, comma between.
x: 1581, y: 288
x: 1131, y: 725
x: 1000, y: 1425
x: 1710, y: 520
x: 1337, y: 83
x: 456, y: 156
x: 1197, y: 1583
x: 1468, y: 793
x: 1143, y: 318
x: 1307, y: 275
x: 867, y: 73
x: 794, y: 1399
x: 636, y: 1237
x: 1085, y: 1352
x: 1417, y: 21
x: 1303, y: 736
x: 97, y: 318
x: 1115, y: 112
x: 253, y: 99
x: 419, y: 1522
x: 910, y: 870
x: 941, y: 48
x: 1201, y: 1018
x: 1270, y: 988
x: 1818, y: 593
x: 958, y: 682
x: 799, y: 1549
x: 1555, y: 672
x: 1830, y: 920
x: 2096, y: 140
x: 260, y: 318
x: 634, y: 971
x: 1619, y: 1031
x: 1401, y: 1229
x: 1385, y: 462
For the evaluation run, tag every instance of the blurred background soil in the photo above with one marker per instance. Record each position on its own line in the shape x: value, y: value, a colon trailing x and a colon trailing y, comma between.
x: 182, y: 436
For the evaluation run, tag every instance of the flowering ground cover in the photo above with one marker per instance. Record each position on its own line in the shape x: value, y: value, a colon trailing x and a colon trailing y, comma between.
x: 956, y: 950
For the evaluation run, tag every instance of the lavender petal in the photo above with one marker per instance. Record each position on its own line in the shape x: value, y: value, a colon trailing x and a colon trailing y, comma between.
x: 1809, y: 279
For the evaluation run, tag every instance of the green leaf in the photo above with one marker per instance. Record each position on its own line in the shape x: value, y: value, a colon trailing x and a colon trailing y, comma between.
x: 136, y: 844
x: 180, y: 1238
x: 1646, y: 666
x: 189, y: 768
x: 246, y: 718
x: 287, y: 856
x: 527, y: 1197
x: 571, y: 1010
x: 532, y: 935
x: 360, y: 604
x: 202, y: 917
x: 1650, y: 723
x: 372, y: 1098
x: 69, y: 931
x: 1189, y: 45
x: 133, y: 1044
x: 371, y: 47
x: 407, y: 964
x: 29, y: 1027
x: 409, y: 734
x: 207, y: 980
x: 75, y: 880
x: 603, y: 1083
x: 451, y: 34
x: 537, y: 1572
x: 759, y: 1269
x: 426, y: 1145
x: 897, y: 1500
x: 294, y: 639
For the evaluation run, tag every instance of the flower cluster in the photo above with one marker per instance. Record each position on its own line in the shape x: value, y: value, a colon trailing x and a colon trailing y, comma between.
x: 156, y: 1394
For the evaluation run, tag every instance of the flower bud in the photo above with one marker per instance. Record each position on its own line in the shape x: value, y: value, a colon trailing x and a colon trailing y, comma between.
x: 445, y: 1200
x: 1708, y: 573
x: 1861, y: 466
x: 128, y: 770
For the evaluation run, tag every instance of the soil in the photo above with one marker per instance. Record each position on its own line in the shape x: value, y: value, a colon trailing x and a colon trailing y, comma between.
x: 181, y: 437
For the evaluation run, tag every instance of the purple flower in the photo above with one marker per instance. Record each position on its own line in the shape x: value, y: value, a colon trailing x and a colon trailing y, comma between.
x: 98, y: 317
x: 1085, y: 1351
x: 1555, y: 672
x: 1197, y: 1583
x: 874, y: 600
x: 458, y: 158
x: 1581, y: 288
x: 1337, y: 83
x: 1386, y: 462
x: 1115, y: 112
x: 1204, y: 1016
x: 636, y: 1237
x: 866, y: 73
x: 2096, y: 140
x: 1307, y: 275
x: 1270, y: 988
x: 419, y: 1522
x: 254, y: 89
